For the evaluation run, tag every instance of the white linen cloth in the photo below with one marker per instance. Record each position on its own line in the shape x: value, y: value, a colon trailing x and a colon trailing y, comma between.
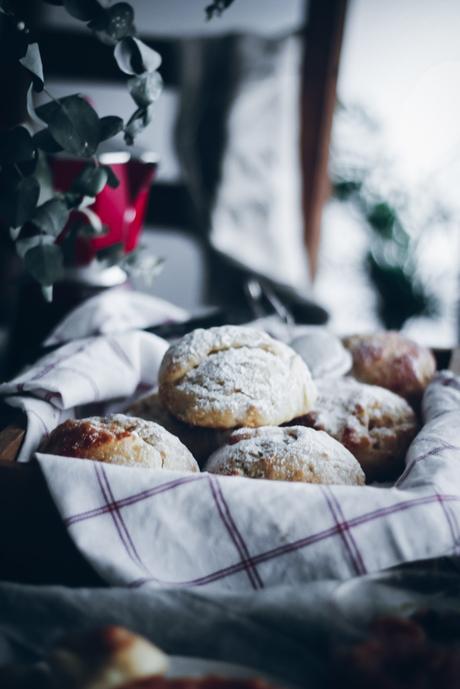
x: 142, y: 528
x: 113, y: 311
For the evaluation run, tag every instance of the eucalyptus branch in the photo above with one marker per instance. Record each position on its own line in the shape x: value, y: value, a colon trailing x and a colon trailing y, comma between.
x: 71, y: 125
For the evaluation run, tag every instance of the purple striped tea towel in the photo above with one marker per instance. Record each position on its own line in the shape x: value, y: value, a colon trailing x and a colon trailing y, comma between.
x: 81, y: 378
x: 140, y: 528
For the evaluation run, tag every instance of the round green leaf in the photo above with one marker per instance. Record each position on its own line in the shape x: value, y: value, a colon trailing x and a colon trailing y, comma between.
x: 137, y: 122
x: 89, y: 231
x: 112, y: 179
x: 94, y: 220
x: 47, y: 291
x: 110, y: 126
x: 111, y: 255
x: 90, y: 181
x: 134, y: 57
x: 51, y: 217
x: 146, y: 88
x: 32, y: 61
x: 73, y: 123
x: 45, y: 263
x: 18, y: 205
x: 114, y: 23
x: 45, y: 142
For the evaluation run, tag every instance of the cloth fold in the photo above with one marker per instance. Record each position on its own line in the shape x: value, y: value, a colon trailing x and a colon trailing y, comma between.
x: 114, y: 311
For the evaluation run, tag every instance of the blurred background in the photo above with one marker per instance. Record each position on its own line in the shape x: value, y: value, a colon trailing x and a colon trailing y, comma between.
x: 313, y: 145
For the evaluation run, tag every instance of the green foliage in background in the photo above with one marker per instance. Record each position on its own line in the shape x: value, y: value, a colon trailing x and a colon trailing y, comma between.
x: 33, y: 213
x: 390, y: 259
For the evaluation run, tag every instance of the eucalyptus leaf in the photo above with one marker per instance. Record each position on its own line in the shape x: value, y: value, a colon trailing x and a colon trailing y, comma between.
x: 23, y: 245
x: 47, y: 291
x: 31, y: 107
x: 134, y: 57
x: 86, y: 10
x: 85, y: 202
x: 90, y: 181
x: 15, y: 232
x: 72, y: 199
x: 18, y: 205
x: 145, y: 88
x: 137, y: 122
x: 114, y: 23
x: 87, y: 230
x: 142, y: 263
x: 110, y: 126
x: 73, y: 123
x: 93, y: 220
x: 45, y: 142
x: 45, y: 263
x: 112, y: 179
x: 32, y: 61
x: 216, y: 8
x: 111, y: 255
x: 51, y: 217
x: 16, y: 146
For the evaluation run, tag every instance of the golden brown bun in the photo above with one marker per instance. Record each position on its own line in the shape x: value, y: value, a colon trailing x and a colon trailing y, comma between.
x: 120, y: 439
x: 392, y: 361
x: 105, y: 658
x: 201, y: 442
x: 292, y: 453
x: 376, y: 425
x: 233, y: 376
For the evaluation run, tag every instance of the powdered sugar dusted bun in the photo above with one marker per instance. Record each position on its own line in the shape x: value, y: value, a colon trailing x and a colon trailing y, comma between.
x: 393, y: 361
x: 201, y: 442
x: 323, y: 352
x: 234, y: 376
x: 376, y: 425
x: 292, y: 453
x: 120, y: 439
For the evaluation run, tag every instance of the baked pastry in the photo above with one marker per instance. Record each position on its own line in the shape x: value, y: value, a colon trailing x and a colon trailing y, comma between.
x: 376, y: 425
x: 392, y: 361
x: 104, y: 659
x: 120, y: 439
x: 293, y: 453
x: 419, y: 652
x: 201, y: 442
x: 323, y: 353
x: 234, y: 376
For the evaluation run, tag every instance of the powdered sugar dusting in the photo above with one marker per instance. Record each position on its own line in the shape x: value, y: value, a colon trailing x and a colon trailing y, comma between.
x: 136, y: 442
x: 364, y: 409
x: 294, y: 453
x: 233, y: 376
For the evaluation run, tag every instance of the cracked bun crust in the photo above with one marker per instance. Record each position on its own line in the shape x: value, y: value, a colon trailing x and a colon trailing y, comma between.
x: 376, y: 425
x: 120, y: 439
x: 233, y: 376
x: 292, y: 453
x: 392, y: 361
